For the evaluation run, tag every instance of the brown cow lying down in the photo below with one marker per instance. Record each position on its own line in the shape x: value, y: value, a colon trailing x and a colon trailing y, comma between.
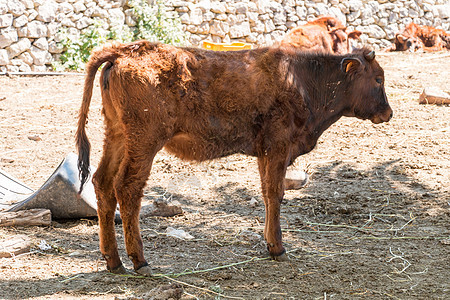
x: 203, y: 105
x: 420, y: 37
x: 326, y: 34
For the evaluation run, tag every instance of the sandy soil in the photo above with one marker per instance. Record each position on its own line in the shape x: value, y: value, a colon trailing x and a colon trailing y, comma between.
x: 372, y: 223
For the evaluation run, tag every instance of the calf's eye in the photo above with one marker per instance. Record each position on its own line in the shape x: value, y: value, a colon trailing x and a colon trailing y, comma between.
x: 379, y: 80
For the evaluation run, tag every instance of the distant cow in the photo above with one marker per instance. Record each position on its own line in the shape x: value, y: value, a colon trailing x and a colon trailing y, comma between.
x: 420, y: 37
x: 325, y: 34
x: 201, y: 105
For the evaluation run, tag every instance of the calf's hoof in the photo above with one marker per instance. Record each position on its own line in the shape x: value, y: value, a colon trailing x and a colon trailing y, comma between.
x: 119, y: 270
x: 280, y: 258
x: 144, y: 270
x: 295, y: 180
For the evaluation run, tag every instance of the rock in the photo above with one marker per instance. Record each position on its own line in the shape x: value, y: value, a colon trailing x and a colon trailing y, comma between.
x: 6, y: 20
x: 160, y: 208
x: 78, y: 7
x: 54, y: 48
x: 116, y: 16
x: 253, y: 202
x: 16, y: 7
x: 36, y: 29
x: 434, y: 95
x: 218, y: 7
x: 65, y: 8
x: 83, y: 23
x: 47, y: 11
x: 41, y: 43
x: 40, y: 57
x: 3, y: 7
x: 36, y: 68
x: 240, y: 30
x: 20, y: 21
x: 376, y: 31
x: 14, y: 246
x: 178, y: 233
x: 219, y: 28
x: 8, y: 36
x: 4, y: 59
x: 26, y: 58
x: 17, y: 48
x: 443, y: 11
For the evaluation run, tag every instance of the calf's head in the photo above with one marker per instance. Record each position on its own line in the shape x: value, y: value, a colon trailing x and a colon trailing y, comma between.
x: 407, y: 43
x: 365, y: 88
x: 341, y: 39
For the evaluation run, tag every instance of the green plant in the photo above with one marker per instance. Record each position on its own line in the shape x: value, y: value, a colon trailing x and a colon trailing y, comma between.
x: 153, y: 23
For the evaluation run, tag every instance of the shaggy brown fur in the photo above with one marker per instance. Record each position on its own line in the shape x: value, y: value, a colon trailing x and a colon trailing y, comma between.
x: 202, y: 105
x: 325, y: 34
x: 421, y: 37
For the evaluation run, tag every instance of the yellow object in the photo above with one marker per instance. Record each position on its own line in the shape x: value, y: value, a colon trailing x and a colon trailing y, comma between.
x: 225, y: 46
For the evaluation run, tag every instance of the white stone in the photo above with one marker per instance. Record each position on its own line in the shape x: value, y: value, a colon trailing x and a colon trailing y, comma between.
x: 6, y: 20
x: 4, y: 60
x: 3, y: 7
x: 203, y: 28
x: 83, y: 22
x: 40, y: 57
x: 33, y: 14
x: 78, y: 7
x: 218, y: 7
x: 65, y: 8
x: 443, y: 11
x: 241, y: 8
x: 52, y: 29
x: 8, y: 36
x: 204, y: 5
x: 269, y: 26
x: 16, y: 7
x: 26, y: 58
x: 20, y: 21
x: 12, y: 69
x: 258, y: 26
x: 336, y: 12
x: 47, y: 11
x: 208, y: 16
x: 17, y: 48
x: 36, y: 68
x: 28, y: 3
x: 263, y: 6
x: 219, y: 28
x: 41, y: 43
x: 376, y: 31
x: 24, y: 68
x: 67, y: 22
x: 279, y: 18
x: 196, y: 16
x: 240, y: 30
x: 391, y: 30
x: 116, y: 16
x: 36, y: 29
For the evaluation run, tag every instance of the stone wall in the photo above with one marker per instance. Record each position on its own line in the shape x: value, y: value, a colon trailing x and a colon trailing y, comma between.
x: 29, y: 28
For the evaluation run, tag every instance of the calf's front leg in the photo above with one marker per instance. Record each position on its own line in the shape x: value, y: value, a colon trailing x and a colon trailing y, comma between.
x: 272, y: 171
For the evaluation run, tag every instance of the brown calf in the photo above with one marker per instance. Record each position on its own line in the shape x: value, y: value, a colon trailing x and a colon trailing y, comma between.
x: 203, y: 105
x: 421, y: 37
x: 325, y: 34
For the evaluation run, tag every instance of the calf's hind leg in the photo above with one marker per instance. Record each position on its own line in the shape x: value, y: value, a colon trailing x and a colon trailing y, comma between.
x: 272, y: 171
x: 128, y: 185
x: 107, y: 202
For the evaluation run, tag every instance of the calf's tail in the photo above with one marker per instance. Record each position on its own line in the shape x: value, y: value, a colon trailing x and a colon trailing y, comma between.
x: 105, y: 54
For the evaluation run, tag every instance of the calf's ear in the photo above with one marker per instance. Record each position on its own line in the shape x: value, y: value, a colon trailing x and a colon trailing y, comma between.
x: 350, y: 65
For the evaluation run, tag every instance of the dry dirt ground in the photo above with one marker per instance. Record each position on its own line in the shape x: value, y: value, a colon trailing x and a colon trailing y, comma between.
x: 372, y: 223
